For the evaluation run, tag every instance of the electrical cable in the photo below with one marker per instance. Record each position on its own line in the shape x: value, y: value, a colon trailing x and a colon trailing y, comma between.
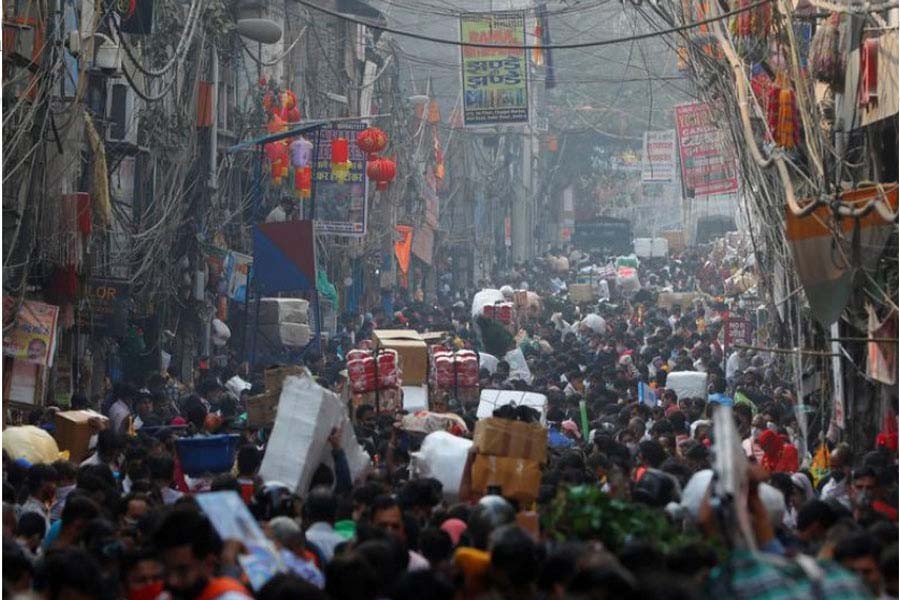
x: 184, y: 42
x: 594, y: 44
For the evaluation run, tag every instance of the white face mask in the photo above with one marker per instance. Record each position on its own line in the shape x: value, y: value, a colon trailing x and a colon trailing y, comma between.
x: 754, y: 432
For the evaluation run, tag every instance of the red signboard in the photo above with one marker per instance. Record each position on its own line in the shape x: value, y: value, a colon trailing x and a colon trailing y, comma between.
x: 707, y: 166
x: 738, y: 331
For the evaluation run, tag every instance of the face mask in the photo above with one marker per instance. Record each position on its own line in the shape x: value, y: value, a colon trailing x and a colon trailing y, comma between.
x: 150, y: 591
x: 754, y: 432
x: 863, y: 499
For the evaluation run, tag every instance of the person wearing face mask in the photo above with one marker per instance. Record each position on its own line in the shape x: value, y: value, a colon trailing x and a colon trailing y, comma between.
x: 865, y: 495
x: 189, y: 549
x: 142, y: 575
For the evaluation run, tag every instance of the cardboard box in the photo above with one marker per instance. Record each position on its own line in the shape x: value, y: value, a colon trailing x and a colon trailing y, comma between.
x: 433, y: 337
x: 412, y: 349
x: 294, y: 335
x: 511, y: 439
x: 518, y: 478
x: 283, y: 310
x: 261, y: 409
x: 684, y: 299
x: 73, y: 430
x: 389, y: 400
x: 582, y: 292
x: 274, y: 377
x: 675, y: 239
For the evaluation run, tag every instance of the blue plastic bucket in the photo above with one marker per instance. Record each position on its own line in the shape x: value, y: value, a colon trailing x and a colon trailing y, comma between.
x: 207, y: 453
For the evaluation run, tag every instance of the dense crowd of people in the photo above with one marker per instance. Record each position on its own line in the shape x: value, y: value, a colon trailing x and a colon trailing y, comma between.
x: 819, y: 518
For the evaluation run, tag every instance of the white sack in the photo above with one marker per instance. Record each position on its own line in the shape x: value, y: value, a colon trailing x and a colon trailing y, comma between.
x: 415, y: 397
x: 295, y: 335
x: 443, y: 457
x: 488, y: 361
x: 651, y: 247
x: 236, y: 385
x: 518, y: 367
x: 283, y: 310
x: 688, y: 384
x: 595, y: 322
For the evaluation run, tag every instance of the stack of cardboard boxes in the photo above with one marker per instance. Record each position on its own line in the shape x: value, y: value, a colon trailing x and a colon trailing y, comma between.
x: 510, y: 455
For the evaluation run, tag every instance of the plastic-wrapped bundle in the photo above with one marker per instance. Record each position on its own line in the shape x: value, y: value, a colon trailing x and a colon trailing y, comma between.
x: 443, y: 456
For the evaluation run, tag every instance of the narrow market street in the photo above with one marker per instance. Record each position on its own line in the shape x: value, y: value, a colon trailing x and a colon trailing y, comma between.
x: 404, y: 300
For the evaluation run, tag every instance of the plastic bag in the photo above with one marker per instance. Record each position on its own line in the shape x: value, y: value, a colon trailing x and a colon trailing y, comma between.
x: 31, y: 443
x: 443, y: 457
x: 483, y: 298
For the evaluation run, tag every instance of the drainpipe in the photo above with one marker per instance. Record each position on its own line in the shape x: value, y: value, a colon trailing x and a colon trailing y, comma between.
x: 214, y: 128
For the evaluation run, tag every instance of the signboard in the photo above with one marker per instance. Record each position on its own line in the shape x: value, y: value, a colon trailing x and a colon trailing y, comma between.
x: 707, y: 167
x: 607, y: 233
x: 230, y: 267
x: 738, y: 331
x: 104, y: 306
x: 340, y: 207
x: 658, y: 159
x: 284, y: 257
x: 494, y: 80
x: 32, y: 335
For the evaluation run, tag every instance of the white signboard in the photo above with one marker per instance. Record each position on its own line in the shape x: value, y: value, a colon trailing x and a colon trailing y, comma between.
x: 658, y: 159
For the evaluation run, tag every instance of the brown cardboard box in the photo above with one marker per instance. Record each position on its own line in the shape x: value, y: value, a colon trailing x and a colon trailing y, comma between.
x: 582, y: 292
x: 433, y: 337
x: 675, y: 238
x: 684, y: 299
x: 511, y: 439
x: 274, y: 377
x: 412, y: 350
x: 262, y: 408
x: 73, y: 430
x: 518, y: 478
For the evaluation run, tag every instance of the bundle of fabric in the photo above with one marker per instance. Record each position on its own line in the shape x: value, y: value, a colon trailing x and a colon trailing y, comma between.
x: 826, y: 63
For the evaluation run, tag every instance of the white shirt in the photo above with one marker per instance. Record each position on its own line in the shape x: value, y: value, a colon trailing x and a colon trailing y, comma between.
x: 118, y: 413
x: 325, y: 538
x: 734, y: 364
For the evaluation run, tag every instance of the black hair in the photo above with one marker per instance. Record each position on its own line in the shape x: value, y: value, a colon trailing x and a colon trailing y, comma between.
x: 858, y: 545
x: 15, y: 563
x: 816, y: 511
x: 31, y: 523
x: 435, y: 545
x: 187, y: 527
x: 287, y: 586
x: 653, y: 453
x: 224, y: 481
x: 72, y: 569
x: 38, y: 475
x: 384, y: 502
x: 65, y: 470
x: 515, y: 554
x: 249, y: 459
x: 162, y: 466
x: 388, y: 557
x: 320, y: 505
x: 350, y: 577
x: 415, y: 585
x: 79, y: 508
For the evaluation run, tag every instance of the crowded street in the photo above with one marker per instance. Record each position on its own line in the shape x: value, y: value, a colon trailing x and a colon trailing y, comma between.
x: 398, y: 300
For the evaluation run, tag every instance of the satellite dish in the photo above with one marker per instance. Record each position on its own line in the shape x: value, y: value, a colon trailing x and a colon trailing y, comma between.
x: 264, y: 31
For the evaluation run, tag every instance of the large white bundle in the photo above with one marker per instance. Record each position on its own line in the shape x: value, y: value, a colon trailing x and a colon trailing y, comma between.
x: 595, y: 322
x: 651, y: 247
x: 283, y: 310
x: 299, y: 442
x: 488, y: 361
x: 688, y: 384
x: 627, y: 280
x: 483, y: 298
x: 518, y: 366
x: 443, y: 457
x: 295, y: 335
x: 491, y: 400
x: 415, y: 397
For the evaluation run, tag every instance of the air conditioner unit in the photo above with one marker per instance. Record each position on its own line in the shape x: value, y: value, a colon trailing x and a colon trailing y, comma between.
x: 121, y: 113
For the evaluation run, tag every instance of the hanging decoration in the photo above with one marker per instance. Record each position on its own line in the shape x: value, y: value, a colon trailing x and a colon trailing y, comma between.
x: 371, y: 141
x: 783, y: 116
x: 826, y: 63
x: 750, y: 29
x: 303, y: 182
x: 301, y: 152
x: 340, y: 159
x: 382, y: 171
x: 868, y: 73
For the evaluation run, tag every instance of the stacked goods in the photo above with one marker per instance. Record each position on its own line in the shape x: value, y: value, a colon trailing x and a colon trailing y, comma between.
x: 627, y: 280
x: 369, y: 371
x: 651, y: 247
x: 263, y: 408
x: 284, y: 321
x: 411, y: 350
x: 688, y: 384
x: 511, y: 446
x: 375, y: 378
x: 455, y: 374
x: 501, y: 311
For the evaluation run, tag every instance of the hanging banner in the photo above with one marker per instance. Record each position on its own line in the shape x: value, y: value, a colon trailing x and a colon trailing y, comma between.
x: 707, y: 167
x: 402, y: 249
x: 237, y: 273
x: 340, y: 207
x: 658, y: 159
x: 738, y: 331
x: 32, y: 335
x: 494, y: 80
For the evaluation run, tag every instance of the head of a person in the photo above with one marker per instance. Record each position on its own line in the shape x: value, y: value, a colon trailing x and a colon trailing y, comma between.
x: 864, y: 488
x: 365, y: 416
x: 386, y: 515
x: 287, y: 533
x: 351, y: 577
x: 109, y: 445
x: 249, y: 459
x: 79, y: 511
x: 18, y: 569
x: 515, y: 561
x: 41, y: 482
x: 287, y: 586
x: 188, y: 547
x: 142, y: 574
x: 320, y: 506
x: 30, y: 530
x: 861, y: 553
x: 68, y: 574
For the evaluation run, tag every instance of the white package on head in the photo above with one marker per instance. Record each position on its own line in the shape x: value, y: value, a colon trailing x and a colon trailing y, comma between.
x: 443, y: 457
x: 488, y: 361
x: 518, y: 367
x: 651, y: 247
x: 493, y: 399
x: 236, y: 385
x: 299, y: 441
x: 688, y: 384
x: 595, y: 322
x: 283, y: 310
x: 483, y: 298
x: 415, y: 397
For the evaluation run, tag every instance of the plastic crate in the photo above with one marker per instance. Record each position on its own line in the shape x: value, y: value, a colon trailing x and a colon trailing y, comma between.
x: 207, y: 454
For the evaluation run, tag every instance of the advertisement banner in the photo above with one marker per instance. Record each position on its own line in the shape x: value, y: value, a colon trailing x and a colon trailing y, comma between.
x: 105, y: 307
x: 738, y: 331
x: 32, y: 335
x: 707, y: 167
x: 340, y: 207
x: 494, y: 80
x: 658, y: 159
x: 237, y: 273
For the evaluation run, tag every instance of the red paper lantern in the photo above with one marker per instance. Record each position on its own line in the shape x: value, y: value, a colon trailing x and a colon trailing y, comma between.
x: 371, y: 141
x: 303, y: 181
x: 340, y: 150
x: 381, y: 171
